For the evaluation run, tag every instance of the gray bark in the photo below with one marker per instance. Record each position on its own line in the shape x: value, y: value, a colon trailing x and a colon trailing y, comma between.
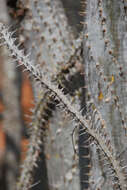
x: 11, y: 122
x: 53, y: 47
x: 53, y: 44
x: 105, y: 69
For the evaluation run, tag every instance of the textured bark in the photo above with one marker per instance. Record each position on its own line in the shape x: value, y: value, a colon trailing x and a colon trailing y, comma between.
x: 46, y: 29
x: 58, y: 55
x: 106, y: 69
x: 53, y: 44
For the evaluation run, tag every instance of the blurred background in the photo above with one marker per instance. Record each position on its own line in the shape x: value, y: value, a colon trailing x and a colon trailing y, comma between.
x: 17, y: 99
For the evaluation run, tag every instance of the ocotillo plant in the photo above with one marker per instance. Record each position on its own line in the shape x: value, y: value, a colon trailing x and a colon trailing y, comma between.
x: 105, y: 65
x: 104, y: 122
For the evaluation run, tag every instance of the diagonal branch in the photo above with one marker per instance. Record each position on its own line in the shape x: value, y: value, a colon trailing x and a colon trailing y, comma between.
x: 99, y: 137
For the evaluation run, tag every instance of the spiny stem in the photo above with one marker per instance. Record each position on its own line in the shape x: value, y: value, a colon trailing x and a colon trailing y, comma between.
x: 53, y: 89
x: 42, y: 114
